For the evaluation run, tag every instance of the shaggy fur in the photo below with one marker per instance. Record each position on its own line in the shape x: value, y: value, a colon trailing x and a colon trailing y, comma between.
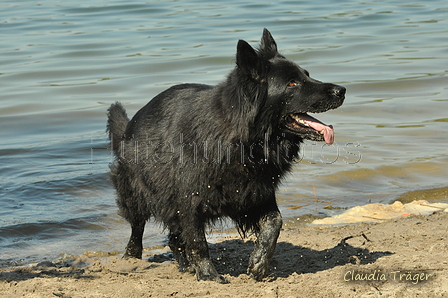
x: 196, y: 153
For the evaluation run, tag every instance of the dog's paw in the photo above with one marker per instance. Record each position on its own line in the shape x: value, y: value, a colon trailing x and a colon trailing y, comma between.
x: 127, y: 256
x: 258, y: 270
x: 208, y: 272
x: 133, y: 251
x: 217, y: 278
x: 186, y: 268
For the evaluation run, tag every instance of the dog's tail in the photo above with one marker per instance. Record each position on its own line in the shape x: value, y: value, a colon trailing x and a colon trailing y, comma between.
x: 116, y: 125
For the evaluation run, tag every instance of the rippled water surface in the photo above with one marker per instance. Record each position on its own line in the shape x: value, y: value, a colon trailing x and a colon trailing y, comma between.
x: 62, y: 63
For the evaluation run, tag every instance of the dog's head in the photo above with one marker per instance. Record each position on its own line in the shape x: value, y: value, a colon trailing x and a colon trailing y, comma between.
x: 290, y: 92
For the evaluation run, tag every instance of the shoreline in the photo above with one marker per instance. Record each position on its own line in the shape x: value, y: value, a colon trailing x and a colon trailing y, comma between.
x: 394, y: 258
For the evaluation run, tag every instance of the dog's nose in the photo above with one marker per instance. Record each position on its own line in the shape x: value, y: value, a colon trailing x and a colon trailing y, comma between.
x: 338, y: 91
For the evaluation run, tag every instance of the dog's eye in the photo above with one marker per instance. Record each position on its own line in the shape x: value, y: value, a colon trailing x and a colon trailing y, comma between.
x: 292, y: 84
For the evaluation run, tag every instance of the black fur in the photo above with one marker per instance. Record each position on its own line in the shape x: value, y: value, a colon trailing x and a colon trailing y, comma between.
x: 197, y: 153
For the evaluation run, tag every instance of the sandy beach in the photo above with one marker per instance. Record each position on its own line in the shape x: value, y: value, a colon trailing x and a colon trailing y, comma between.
x: 404, y: 257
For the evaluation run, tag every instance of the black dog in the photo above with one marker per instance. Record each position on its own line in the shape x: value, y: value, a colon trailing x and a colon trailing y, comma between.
x: 196, y: 153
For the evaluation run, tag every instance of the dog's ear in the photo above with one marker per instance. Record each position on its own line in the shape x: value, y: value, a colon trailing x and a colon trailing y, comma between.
x: 268, y: 46
x: 247, y: 60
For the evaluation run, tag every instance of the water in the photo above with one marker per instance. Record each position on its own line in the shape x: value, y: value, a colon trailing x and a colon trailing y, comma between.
x: 62, y: 63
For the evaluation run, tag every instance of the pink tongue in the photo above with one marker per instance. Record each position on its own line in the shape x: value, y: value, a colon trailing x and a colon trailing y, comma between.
x: 319, y: 126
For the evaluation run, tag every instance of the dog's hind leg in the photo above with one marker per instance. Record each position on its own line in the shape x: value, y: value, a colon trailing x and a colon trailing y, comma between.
x: 134, y: 248
x: 270, y: 225
x: 177, y: 246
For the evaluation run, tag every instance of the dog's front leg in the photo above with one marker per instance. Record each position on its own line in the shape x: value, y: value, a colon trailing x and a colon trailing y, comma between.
x: 259, y: 261
x: 197, y: 252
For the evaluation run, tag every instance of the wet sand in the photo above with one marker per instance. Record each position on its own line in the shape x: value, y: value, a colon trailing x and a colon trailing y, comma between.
x: 406, y: 257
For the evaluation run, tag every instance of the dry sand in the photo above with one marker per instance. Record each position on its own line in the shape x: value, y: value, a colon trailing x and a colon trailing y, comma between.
x: 407, y: 257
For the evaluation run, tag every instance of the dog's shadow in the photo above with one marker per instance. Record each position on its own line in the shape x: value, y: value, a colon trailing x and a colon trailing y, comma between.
x: 232, y: 256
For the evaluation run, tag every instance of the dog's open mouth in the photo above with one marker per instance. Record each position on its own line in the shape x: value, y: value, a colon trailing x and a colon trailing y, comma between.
x: 310, y: 127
